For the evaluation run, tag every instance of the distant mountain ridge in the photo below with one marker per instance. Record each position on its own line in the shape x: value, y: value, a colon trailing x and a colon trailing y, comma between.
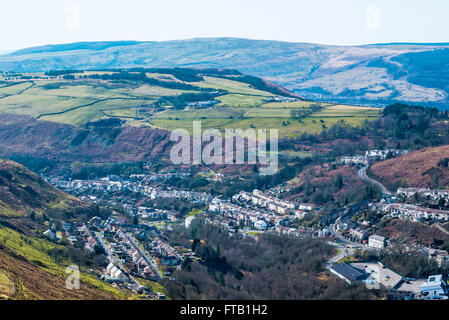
x: 96, y: 46
x: 375, y: 74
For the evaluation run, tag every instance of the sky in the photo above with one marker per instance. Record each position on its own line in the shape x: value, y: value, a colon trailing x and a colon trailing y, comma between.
x: 26, y: 23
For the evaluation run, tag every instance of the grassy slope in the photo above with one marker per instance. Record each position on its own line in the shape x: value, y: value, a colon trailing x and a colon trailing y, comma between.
x: 232, y: 86
x: 78, y: 102
x: 22, y: 191
x: 37, y: 276
x: 6, y: 286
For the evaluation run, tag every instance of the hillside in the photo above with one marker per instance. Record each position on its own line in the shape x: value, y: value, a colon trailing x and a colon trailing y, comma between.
x: 319, y: 184
x: 169, y: 99
x: 30, y: 271
x: 29, y: 281
x: 29, y: 268
x: 23, y: 192
x: 374, y: 74
x: 410, y: 232
x: 426, y: 168
x: 22, y: 135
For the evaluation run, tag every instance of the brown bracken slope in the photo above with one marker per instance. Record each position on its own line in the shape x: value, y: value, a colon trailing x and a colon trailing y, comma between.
x: 426, y: 168
x: 101, y: 141
x: 409, y: 232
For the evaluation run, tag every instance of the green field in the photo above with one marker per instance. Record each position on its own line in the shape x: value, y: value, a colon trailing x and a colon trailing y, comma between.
x: 268, y: 113
x: 36, y: 105
x: 198, y: 114
x: 99, y: 110
x: 14, y: 88
x: 268, y: 118
x: 231, y: 86
x: 241, y: 100
x: 292, y: 105
x: 240, y: 106
x: 347, y: 111
x: 154, y: 91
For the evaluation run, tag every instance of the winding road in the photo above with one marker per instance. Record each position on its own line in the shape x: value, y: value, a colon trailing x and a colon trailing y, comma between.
x: 362, y: 174
x: 343, y: 251
x: 348, y: 248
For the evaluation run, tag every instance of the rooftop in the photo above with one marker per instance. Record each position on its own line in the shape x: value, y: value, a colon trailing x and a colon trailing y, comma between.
x: 376, y: 237
x: 347, y: 271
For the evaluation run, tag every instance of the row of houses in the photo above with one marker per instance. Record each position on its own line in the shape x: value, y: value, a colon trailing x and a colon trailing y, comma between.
x: 154, y: 177
x: 250, y: 217
x: 302, y: 233
x: 283, y: 99
x: 271, y: 203
x: 371, y: 155
x: 165, y: 253
x: 202, y: 104
x: 157, y: 214
x: 353, y: 160
x: 383, y: 154
x: 89, y: 239
x: 240, y: 215
x: 143, y: 267
x: 432, y: 194
x: 117, y: 184
x: 115, y: 274
x: 195, y: 197
x: 235, y: 214
x: 413, y: 212
x: 362, y: 235
x: 120, y: 244
x: 79, y: 232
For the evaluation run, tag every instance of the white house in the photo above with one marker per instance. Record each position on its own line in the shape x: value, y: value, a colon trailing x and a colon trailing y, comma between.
x: 376, y: 241
x: 188, y: 221
x: 260, y: 224
x: 50, y: 234
x: 116, y: 273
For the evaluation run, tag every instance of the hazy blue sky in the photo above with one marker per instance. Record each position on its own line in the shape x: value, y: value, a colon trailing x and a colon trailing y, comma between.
x: 29, y: 23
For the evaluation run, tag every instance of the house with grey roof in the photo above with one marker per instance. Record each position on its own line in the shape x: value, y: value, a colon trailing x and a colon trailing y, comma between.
x: 347, y: 272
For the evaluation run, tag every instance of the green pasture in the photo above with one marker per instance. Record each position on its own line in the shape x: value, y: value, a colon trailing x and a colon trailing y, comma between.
x: 231, y: 86
x: 77, y: 102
